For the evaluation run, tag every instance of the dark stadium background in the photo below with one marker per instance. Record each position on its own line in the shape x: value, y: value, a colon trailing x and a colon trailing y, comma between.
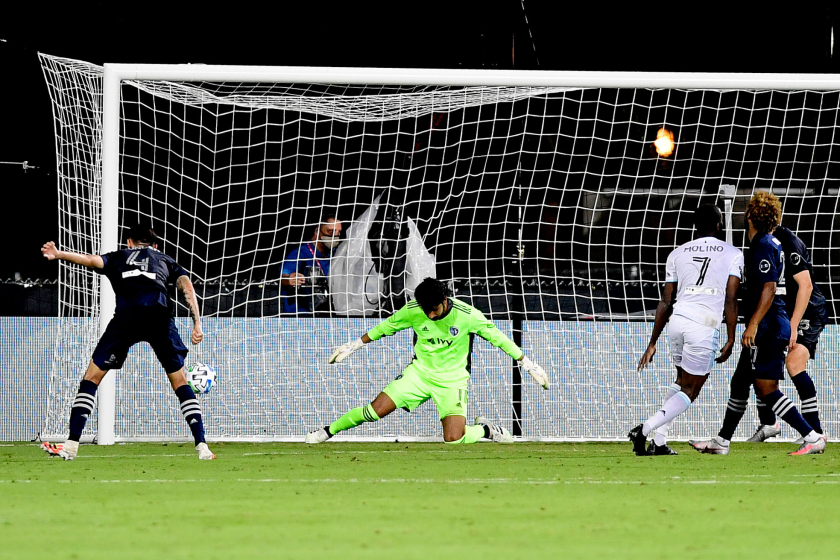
x: 432, y: 34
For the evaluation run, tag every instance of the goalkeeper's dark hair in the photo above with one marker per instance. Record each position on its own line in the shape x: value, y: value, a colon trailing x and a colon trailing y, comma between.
x: 430, y: 293
x: 142, y: 233
x: 707, y: 218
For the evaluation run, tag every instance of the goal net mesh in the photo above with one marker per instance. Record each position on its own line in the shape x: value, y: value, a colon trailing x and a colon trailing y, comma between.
x: 544, y: 207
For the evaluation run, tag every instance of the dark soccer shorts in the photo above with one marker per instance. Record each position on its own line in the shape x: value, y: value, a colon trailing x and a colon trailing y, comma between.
x: 809, y: 334
x: 127, y: 329
x: 765, y: 360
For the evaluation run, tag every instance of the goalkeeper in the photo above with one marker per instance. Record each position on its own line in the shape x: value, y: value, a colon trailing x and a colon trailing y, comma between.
x: 444, y: 329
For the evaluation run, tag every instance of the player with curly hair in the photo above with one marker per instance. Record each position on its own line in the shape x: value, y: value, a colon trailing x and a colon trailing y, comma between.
x: 444, y: 330
x: 767, y: 334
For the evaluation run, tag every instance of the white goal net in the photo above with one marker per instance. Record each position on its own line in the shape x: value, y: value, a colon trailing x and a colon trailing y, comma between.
x: 544, y: 206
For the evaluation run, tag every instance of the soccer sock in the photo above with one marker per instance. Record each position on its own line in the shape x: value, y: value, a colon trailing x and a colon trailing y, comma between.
x: 471, y: 435
x: 787, y: 411
x: 353, y: 418
x: 739, y: 393
x: 82, y: 408
x: 675, y: 406
x: 765, y: 413
x: 191, y: 410
x: 660, y: 436
x: 808, y: 396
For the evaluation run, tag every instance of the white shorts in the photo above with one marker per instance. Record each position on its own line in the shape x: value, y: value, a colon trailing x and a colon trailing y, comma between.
x: 693, y: 346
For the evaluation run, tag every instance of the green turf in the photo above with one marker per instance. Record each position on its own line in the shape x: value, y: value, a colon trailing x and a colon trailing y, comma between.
x: 425, y: 501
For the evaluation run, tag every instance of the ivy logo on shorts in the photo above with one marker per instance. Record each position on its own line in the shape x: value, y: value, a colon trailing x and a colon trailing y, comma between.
x: 795, y: 258
x: 764, y: 266
x: 453, y: 331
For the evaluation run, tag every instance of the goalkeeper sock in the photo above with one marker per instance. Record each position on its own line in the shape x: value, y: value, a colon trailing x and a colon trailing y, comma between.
x: 471, y: 435
x: 191, y: 410
x: 82, y: 408
x: 353, y: 418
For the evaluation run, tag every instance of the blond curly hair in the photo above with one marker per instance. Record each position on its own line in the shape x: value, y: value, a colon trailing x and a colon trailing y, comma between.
x: 765, y: 211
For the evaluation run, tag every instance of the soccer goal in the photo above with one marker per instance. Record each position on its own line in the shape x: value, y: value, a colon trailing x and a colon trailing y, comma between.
x: 539, y: 196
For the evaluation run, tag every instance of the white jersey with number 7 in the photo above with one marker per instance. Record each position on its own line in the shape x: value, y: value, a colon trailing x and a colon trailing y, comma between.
x: 701, y: 269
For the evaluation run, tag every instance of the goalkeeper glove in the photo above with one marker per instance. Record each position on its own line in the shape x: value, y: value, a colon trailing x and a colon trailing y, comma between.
x: 535, y: 371
x: 345, y: 350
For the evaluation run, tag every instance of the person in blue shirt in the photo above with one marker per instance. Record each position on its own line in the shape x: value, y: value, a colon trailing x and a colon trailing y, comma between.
x: 767, y: 334
x: 808, y: 311
x: 304, y: 274
x: 139, y: 275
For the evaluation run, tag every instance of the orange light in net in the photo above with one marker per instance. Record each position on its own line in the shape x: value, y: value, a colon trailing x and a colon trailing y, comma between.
x: 664, y: 143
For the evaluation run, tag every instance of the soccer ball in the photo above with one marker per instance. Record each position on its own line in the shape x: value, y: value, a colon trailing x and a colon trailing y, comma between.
x: 201, y: 377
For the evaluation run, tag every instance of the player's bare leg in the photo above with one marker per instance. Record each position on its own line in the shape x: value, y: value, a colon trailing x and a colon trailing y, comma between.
x: 191, y: 410
x: 797, y: 363
x: 453, y: 428
x: 381, y: 407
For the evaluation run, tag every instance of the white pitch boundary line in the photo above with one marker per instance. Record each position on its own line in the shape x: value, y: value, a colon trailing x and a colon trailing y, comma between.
x: 532, y: 482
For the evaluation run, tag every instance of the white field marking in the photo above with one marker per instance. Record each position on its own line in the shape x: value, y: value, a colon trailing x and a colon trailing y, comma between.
x: 500, y: 481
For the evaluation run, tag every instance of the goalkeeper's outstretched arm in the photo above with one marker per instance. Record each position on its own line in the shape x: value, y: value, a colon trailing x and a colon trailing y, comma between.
x: 488, y: 331
x: 346, y: 349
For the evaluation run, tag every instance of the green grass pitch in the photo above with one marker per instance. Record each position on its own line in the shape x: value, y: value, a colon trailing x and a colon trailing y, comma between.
x: 418, y: 500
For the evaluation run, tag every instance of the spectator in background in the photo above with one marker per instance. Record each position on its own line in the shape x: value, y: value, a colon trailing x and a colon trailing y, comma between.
x: 303, y: 276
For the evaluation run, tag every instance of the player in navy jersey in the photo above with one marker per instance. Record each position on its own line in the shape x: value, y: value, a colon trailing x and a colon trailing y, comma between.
x: 767, y: 334
x: 144, y: 311
x: 806, y: 306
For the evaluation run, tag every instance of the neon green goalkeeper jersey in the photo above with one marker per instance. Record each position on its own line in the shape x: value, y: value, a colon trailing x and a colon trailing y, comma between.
x: 442, y: 348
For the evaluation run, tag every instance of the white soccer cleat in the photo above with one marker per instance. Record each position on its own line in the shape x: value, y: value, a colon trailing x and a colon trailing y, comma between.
x: 535, y: 371
x: 498, y: 433
x: 345, y: 350
x: 317, y: 436
x: 801, y: 440
x: 67, y: 451
x: 765, y: 432
x: 715, y: 446
x: 813, y: 448
x: 204, y: 452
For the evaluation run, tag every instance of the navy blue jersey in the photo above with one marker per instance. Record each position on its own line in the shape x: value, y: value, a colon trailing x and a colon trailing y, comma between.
x: 140, y: 277
x: 763, y: 263
x: 798, y: 260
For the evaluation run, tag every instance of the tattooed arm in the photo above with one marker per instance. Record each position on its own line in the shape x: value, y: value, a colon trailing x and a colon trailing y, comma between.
x: 186, y: 288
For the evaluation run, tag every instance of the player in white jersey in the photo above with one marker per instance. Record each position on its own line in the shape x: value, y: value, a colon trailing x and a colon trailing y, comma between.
x: 701, y: 285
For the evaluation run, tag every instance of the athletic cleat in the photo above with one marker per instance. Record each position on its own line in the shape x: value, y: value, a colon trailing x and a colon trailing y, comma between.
x: 765, y: 432
x: 67, y: 451
x: 317, y: 436
x: 204, y: 452
x: 814, y: 448
x: 654, y: 449
x: 498, y: 433
x: 801, y: 440
x: 639, y: 440
x: 713, y: 446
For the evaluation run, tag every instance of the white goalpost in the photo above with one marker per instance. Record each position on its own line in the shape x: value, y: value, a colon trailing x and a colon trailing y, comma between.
x: 535, y: 195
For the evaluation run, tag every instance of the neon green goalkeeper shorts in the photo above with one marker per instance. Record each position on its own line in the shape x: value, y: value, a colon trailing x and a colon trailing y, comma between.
x: 410, y: 390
